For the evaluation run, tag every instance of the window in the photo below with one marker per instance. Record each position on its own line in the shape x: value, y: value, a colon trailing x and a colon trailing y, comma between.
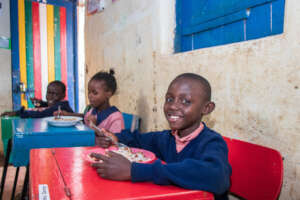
x: 206, y: 23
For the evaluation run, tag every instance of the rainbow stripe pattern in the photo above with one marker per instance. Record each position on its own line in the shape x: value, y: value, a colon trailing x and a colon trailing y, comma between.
x: 42, y: 48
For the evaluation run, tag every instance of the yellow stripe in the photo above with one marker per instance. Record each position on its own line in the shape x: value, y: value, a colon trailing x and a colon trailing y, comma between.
x: 50, y: 39
x: 22, y: 48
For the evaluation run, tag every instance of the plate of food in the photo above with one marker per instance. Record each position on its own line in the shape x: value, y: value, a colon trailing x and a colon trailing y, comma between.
x: 63, y: 121
x: 132, y: 154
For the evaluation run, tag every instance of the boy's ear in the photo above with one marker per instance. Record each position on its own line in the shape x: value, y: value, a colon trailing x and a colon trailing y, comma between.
x: 208, y: 108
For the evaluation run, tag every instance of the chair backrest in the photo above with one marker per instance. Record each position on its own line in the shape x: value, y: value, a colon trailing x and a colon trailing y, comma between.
x: 257, y: 171
x: 131, y: 122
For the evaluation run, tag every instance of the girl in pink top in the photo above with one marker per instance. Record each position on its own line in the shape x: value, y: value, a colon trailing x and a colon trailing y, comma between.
x: 100, y: 88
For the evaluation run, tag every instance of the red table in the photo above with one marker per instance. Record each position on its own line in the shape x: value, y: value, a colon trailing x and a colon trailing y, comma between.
x: 62, y: 173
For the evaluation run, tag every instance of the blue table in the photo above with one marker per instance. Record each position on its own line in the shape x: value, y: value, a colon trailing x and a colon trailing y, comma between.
x: 36, y: 133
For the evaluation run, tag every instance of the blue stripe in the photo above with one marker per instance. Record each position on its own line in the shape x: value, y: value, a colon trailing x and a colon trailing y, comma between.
x: 259, y: 24
x: 186, y: 43
x: 230, y: 33
x: 70, y: 54
x: 15, y: 59
x: 76, y: 61
x: 278, y: 16
x: 177, y: 40
x: 213, y: 9
x: 228, y: 19
x: 63, y: 3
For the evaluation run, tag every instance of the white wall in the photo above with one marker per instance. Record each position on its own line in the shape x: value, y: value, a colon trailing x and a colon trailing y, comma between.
x: 255, y: 83
x: 81, y: 54
x: 5, y: 61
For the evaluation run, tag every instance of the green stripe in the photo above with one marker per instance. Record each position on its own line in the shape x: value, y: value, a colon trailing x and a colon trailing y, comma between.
x: 29, y: 51
x: 57, y: 59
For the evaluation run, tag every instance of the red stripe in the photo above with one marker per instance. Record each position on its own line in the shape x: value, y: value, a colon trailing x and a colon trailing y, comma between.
x: 36, y: 50
x: 63, y: 47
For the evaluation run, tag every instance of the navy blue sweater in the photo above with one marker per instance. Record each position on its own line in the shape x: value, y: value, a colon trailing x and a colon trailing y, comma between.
x: 201, y: 165
x: 64, y: 105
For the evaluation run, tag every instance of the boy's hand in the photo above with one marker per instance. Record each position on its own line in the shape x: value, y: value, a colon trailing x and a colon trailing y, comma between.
x: 36, y: 102
x: 8, y: 114
x: 104, y: 138
x: 114, y: 166
x: 62, y: 113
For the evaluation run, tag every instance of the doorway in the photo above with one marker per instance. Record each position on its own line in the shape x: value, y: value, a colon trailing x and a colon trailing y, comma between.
x: 43, y: 45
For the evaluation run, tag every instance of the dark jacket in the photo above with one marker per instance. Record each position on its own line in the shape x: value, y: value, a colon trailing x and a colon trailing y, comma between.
x: 47, y: 112
x: 202, y: 165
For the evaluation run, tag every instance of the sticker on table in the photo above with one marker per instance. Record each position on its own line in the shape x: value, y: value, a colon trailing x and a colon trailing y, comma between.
x: 44, y: 192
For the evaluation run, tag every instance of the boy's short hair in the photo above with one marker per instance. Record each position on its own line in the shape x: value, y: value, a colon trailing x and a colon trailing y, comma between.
x: 108, y: 78
x: 59, y: 84
x: 203, y: 81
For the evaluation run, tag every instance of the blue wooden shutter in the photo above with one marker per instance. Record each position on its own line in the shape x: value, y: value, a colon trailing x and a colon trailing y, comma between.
x: 205, y: 23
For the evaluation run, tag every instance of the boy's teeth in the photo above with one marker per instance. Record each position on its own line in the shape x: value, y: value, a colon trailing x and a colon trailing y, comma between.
x: 174, y: 117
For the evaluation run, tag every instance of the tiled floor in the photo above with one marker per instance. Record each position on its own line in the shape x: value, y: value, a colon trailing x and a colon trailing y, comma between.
x: 10, y: 181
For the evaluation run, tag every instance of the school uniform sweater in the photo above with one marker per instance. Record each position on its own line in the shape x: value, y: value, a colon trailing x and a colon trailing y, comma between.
x: 44, y: 111
x: 201, y: 165
x: 111, y: 119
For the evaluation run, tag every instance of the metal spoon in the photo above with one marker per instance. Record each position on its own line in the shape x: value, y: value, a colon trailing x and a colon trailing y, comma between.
x: 113, y: 141
x: 59, y: 111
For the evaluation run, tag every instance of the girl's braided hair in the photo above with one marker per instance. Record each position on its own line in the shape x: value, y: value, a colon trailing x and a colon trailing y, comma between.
x: 108, y: 78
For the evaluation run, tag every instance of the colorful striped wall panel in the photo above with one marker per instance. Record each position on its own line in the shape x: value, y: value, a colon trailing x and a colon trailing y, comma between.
x: 42, y: 48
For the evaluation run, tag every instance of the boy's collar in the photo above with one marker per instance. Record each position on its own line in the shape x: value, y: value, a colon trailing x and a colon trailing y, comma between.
x: 190, y: 136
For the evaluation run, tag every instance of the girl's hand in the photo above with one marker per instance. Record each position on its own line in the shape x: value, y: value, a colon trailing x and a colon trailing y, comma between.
x: 114, y: 166
x: 91, y: 120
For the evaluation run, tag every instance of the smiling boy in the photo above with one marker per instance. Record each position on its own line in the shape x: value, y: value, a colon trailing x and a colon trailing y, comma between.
x: 56, y: 92
x: 196, y: 157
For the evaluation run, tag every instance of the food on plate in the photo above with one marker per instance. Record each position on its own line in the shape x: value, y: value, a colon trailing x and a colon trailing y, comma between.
x: 132, y: 155
x: 65, y: 119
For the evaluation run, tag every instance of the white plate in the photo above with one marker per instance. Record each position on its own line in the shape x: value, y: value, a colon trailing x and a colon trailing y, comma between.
x: 64, y: 121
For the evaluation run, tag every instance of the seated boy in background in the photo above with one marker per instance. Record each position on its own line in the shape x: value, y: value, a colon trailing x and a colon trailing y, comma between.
x: 196, y: 156
x: 56, y: 92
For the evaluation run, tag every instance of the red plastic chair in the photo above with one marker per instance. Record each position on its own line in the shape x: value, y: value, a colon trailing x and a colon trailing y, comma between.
x: 257, y: 171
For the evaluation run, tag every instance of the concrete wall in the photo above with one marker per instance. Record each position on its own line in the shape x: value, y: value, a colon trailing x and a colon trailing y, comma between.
x: 255, y: 83
x: 5, y: 62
